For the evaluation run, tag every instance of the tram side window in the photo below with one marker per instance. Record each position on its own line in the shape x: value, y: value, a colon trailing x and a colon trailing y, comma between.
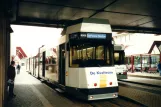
x: 100, y: 52
x: 74, y: 56
x: 84, y: 53
x: 90, y: 52
x: 79, y: 54
x: 89, y: 55
x: 108, y: 56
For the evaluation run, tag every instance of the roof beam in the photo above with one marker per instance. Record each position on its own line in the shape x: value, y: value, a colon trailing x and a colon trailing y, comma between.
x: 136, y: 29
x: 97, y: 11
x: 17, y: 9
x: 46, y: 3
x: 102, y: 10
x: 39, y: 22
x: 133, y: 14
x: 62, y: 24
x: 45, y: 21
x: 144, y: 22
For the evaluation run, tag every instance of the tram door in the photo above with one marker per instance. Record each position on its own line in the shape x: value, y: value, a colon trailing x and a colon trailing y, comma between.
x: 43, y: 63
x: 62, y: 64
x: 29, y: 64
x: 34, y: 68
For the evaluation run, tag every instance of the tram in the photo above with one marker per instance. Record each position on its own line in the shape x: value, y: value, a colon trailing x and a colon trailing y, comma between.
x: 119, y: 61
x: 27, y: 64
x: 83, y: 63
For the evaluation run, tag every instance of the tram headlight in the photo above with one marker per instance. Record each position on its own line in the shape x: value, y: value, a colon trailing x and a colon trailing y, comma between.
x: 91, y: 97
x: 114, y: 95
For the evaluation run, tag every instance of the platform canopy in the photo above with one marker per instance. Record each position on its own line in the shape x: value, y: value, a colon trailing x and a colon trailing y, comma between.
x: 20, y: 53
x: 155, y: 45
x: 124, y: 15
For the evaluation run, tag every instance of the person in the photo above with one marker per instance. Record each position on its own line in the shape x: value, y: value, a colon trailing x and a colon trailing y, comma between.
x: 11, y: 73
x: 18, y: 68
x: 159, y: 67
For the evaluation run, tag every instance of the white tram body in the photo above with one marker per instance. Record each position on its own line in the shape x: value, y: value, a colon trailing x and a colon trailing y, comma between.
x: 84, y: 62
x: 85, y: 81
x: 119, y: 61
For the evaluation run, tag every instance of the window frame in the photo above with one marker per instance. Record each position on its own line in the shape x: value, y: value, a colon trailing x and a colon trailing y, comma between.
x: 121, y: 57
x: 108, y: 45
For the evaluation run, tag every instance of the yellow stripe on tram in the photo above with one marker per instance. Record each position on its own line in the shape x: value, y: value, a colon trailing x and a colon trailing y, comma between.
x: 103, y: 82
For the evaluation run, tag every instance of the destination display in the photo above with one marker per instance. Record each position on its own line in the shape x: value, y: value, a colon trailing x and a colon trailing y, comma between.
x: 96, y: 36
x: 90, y: 36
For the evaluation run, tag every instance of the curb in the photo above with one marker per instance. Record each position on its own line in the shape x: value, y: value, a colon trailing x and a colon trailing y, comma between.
x: 158, y: 86
x: 159, y: 78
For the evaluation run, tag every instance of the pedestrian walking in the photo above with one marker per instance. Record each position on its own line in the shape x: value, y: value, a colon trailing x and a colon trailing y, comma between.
x: 159, y: 67
x: 18, y: 68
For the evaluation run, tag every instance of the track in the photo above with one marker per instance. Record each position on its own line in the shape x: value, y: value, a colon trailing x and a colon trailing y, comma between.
x: 139, y: 83
x: 140, y: 86
x: 118, y: 102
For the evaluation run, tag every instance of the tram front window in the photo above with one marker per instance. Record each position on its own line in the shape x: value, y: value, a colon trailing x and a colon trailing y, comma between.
x: 119, y: 57
x: 89, y: 55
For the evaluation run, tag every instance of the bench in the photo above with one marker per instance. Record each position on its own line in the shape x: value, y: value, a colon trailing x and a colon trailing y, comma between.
x: 152, y: 70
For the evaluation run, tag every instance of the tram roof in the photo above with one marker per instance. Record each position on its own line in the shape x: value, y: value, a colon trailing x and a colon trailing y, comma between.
x: 124, y: 15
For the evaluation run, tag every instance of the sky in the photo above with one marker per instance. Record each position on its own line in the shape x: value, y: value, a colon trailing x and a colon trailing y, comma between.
x: 139, y: 43
x: 30, y: 38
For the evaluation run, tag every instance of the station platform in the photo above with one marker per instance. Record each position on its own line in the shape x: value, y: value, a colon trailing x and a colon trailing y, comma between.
x: 146, y: 95
x: 33, y: 93
x: 30, y: 92
x: 145, y: 75
x: 143, y: 81
x: 142, y: 87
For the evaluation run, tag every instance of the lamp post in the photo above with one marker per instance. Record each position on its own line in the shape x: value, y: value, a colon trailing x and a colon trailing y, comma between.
x: 39, y: 61
x: 132, y: 62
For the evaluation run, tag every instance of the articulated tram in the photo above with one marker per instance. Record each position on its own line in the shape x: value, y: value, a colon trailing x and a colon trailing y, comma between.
x: 83, y: 63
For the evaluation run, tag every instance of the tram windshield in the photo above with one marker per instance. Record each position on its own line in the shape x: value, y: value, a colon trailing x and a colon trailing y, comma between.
x: 90, y: 55
x: 119, y: 57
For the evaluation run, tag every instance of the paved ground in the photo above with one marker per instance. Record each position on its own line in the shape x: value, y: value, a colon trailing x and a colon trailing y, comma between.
x: 142, y: 96
x: 32, y: 93
x: 156, y: 82
x: 144, y: 90
x: 145, y: 75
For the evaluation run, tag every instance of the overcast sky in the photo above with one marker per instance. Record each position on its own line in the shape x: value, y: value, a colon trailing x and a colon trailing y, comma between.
x: 138, y: 43
x: 31, y: 38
